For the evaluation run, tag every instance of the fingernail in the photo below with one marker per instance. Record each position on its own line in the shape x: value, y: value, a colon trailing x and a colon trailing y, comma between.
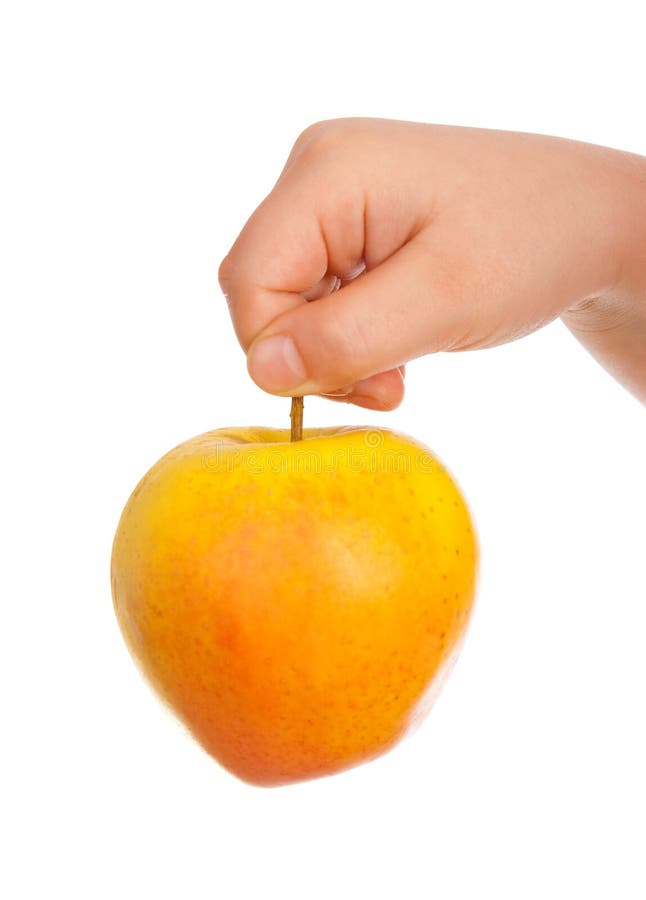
x: 340, y: 392
x: 275, y: 364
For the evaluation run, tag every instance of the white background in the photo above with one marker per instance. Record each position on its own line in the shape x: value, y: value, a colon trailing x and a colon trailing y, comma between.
x: 136, y: 139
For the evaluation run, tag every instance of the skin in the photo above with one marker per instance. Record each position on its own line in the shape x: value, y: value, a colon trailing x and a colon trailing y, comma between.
x: 298, y: 605
x: 417, y: 238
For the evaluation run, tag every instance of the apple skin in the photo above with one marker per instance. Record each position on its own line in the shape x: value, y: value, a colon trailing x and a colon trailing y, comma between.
x: 297, y: 605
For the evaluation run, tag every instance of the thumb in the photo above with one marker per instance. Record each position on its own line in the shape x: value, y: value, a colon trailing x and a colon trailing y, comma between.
x: 394, y: 313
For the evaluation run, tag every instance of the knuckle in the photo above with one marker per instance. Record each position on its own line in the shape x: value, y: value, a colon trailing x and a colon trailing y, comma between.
x: 320, y: 139
x: 310, y: 133
x: 225, y: 279
x: 225, y: 274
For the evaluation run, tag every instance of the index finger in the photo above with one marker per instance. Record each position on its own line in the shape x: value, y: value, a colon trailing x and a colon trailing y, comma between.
x: 303, y: 235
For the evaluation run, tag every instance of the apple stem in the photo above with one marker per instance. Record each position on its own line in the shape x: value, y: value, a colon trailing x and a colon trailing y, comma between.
x: 296, y: 417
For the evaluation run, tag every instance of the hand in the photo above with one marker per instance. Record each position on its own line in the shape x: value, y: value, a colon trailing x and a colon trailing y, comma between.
x: 383, y: 241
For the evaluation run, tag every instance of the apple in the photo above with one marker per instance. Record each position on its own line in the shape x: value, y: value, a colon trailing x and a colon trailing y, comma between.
x: 296, y: 603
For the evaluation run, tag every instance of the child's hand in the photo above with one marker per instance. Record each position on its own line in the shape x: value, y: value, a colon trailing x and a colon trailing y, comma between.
x: 417, y: 238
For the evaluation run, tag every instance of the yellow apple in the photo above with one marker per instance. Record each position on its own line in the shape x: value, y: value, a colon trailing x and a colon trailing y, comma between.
x: 297, y: 604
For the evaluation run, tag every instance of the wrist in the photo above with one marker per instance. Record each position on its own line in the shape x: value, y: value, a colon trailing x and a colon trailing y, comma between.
x: 631, y: 283
x: 612, y: 324
x: 615, y: 241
